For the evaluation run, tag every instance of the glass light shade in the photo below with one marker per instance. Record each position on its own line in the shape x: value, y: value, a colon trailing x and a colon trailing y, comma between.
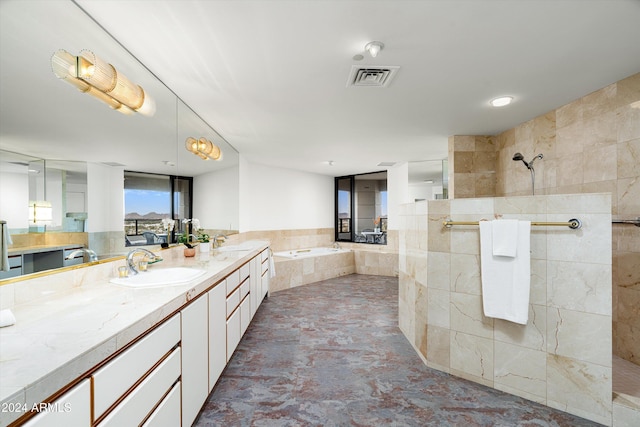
x: 40, y: 212
x: 100, y: 79
x: 203, y: 148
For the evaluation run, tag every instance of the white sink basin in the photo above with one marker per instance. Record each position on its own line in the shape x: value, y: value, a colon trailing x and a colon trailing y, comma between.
x: 234, y: 248
x: 160, y: 277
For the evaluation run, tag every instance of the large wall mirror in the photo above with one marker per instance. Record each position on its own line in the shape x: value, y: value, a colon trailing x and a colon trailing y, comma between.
x: 428, y: 180
x: 84, y: 146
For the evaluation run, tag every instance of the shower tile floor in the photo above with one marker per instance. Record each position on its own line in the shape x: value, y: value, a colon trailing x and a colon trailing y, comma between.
x: 331, y: 354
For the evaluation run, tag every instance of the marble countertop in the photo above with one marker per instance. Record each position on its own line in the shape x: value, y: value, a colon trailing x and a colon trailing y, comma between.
x: 59, y: 336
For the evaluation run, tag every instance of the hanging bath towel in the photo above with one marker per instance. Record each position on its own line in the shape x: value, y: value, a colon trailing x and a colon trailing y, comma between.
x: 506, y: 280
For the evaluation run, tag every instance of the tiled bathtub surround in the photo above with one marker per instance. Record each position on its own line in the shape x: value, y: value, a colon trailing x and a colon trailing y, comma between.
x: 562, y: 357
x: 379, y: 260
x: 291, y: 273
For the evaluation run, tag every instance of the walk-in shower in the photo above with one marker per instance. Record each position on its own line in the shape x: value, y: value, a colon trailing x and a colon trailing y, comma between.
x: 529, y: 165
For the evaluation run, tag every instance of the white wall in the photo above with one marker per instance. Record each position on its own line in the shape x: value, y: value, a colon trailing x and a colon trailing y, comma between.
x: 216, y: 199
x: 105, y: 198
x: 15, y: 187
x: 398, y: 190
x: 54, y: 196
x: 280, y: 198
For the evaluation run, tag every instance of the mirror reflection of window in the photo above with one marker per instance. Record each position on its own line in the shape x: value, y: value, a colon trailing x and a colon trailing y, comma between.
x: 361, y: 208
x: 148, y: 200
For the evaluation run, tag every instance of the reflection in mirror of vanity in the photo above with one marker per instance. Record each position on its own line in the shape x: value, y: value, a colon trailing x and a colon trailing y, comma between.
x: 82, y: 147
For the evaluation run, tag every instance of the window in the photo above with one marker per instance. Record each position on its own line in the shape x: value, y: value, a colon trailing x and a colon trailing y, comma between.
x: 361, y: 208
x: 150, y: 198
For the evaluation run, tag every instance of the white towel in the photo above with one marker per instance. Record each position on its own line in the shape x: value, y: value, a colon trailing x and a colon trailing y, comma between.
x: 272, y: 266
x: 5, y: 241
x: 7, y: 318
x: 506, y: 280
x: 504, y: 233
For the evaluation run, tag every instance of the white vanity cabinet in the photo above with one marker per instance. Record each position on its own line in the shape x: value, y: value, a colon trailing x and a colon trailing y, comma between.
x: 164, y: 376
x: 167, y: 414
x: 266, y: 274
x: 122, y: 374
x: 217, y: 332
x: 140, y: 403
x: 238, y: 306
x: 72, y: 409
x: 195, y: 358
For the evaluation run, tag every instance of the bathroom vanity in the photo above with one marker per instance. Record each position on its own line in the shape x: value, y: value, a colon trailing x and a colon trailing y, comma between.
x: 111, y: 355
x: 33, y: 259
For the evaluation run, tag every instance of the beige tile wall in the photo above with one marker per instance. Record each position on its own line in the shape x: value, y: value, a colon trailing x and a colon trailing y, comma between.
x: 590, y: 145
x: 552, y: 360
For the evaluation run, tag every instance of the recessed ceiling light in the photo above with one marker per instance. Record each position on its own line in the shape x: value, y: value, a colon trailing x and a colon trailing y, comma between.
x: 501, y: 101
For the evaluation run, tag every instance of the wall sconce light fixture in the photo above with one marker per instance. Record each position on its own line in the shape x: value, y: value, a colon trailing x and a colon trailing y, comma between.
x: 94, y: 76
x: 203, y: 148
x: 40, y: 212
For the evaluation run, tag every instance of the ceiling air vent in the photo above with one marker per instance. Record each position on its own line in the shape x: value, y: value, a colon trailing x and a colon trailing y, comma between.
x: 372, y: 75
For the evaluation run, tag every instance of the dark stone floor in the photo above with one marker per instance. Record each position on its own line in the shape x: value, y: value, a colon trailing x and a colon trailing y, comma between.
x: 331, y: 354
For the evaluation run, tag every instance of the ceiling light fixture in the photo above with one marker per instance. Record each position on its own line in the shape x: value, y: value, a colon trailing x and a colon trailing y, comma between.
x: 92, y: 75
x: 203, y: 148
x: 374, y: 48
x: 501, y: 101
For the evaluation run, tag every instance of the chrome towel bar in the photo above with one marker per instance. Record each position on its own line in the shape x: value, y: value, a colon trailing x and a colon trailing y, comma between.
x: 573, y: 223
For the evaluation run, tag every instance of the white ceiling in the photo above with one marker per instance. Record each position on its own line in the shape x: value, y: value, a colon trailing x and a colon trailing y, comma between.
x: 270, y: 76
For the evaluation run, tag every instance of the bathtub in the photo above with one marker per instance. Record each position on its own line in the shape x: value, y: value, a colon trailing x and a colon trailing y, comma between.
x: 302, y: 266
x: 308, y: 253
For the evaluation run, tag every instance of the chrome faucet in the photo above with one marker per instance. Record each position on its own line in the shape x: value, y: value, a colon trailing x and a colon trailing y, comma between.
x: 336, y: 245
x: 93, y: 256
x: 132, y: 252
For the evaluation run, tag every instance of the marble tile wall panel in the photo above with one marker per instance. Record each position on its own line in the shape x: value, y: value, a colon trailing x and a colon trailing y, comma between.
x: 562, y: 325
x: 521, y: 368
x: 467, y: 315
x: 578, y: 387
x: 472, y: 357
x: 591, y: 145
x: 438, y: 347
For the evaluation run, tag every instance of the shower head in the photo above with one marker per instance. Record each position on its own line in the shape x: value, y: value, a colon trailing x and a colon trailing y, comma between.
x: 519, y: 156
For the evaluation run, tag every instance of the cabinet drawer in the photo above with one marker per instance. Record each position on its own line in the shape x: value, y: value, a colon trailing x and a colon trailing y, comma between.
x: 233, y: 280
x: 167, y: 414
x: 265, y: 266
x: 245, y: 288
x: 135, y: 407
x: 72, y: 409
x: 15, y: 261
x: 233, y: 333
x: 245, y: 270
x: 112, y: 380
x: 264, y: 255
x: 245, y: 315
x: 233, y: 301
